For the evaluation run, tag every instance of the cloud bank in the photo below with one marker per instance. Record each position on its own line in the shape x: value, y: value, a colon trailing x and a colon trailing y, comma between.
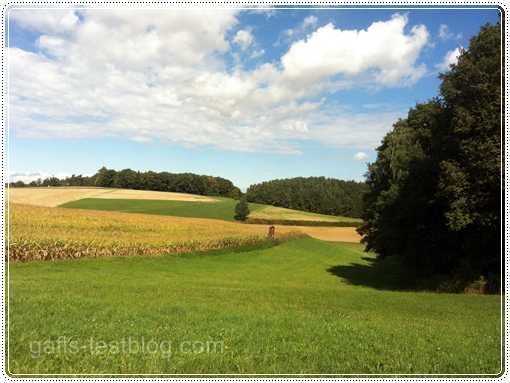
x: 164, y: 76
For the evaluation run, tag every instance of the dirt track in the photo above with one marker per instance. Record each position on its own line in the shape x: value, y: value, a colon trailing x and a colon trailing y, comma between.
x: 333, y: 234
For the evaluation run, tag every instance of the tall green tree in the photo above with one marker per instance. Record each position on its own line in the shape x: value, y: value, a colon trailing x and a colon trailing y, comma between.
x: 435, y: 190
x: 471, y: 179
x: 242, y: 210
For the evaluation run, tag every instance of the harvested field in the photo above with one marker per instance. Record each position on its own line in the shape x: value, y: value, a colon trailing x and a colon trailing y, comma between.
x: 55, y: 196
x: 333, y: 234
x: 273, y: 212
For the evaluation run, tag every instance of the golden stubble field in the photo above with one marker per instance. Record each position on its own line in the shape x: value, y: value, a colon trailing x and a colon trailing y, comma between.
x: 54, y: 196
x: 271, y: 212
x: 333, y: 234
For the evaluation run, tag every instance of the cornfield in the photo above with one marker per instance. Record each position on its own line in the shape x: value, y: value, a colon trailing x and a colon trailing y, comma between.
x: 46, y: 233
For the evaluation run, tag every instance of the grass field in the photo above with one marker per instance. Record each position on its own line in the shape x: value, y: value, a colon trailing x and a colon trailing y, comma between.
x: 247, y: 306
x: 224, y: 209
x: 152, y: 202
x: 303, y: 307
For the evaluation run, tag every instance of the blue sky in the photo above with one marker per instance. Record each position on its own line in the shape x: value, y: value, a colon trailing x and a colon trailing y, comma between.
x: 248, y: 94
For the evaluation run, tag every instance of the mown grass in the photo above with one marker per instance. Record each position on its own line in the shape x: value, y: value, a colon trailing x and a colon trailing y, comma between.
x: 223, y: 210
x: 303, y: 307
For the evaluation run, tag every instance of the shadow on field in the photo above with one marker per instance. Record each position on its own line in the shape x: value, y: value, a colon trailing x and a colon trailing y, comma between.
x: 387, y: 274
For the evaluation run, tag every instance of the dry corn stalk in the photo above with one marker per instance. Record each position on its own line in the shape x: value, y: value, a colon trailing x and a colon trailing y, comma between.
x: 45, y: 233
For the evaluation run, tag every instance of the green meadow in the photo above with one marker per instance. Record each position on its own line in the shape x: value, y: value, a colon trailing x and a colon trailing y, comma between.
x: 224, y: 209
x: 301, y: 307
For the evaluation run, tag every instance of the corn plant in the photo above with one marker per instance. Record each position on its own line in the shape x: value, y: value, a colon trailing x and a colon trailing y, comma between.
x: 45, y: 233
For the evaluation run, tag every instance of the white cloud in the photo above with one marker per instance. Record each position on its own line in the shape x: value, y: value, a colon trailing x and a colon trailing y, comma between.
x: 450, y: 58
x: 309, y: 21
x: 445, y: 33
x: 361, y: 156
x: 142, y: 139
x: 155, y: 76
x: 330, y: 51
x: 48, y: 21
x: 27, y: 177
x: 244, y: 38
x: 258, y: 53
x: 342, y: 128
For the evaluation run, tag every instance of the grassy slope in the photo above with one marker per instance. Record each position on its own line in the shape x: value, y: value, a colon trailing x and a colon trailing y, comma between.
x: 302, y: 307
x: 224, y: 210
x: 272, y: 212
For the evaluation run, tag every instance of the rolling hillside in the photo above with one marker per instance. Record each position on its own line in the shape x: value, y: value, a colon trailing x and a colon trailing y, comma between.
x: 174, y: 204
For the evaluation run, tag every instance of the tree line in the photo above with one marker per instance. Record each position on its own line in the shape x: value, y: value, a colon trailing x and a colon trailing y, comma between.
x: 313, y: 194
x: 129, y: 179
x: 55, y: 181
x: 435, y: 191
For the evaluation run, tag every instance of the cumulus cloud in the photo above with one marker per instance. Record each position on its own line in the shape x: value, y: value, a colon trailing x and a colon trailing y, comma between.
x: 361, y: 156
x: 450, y: 58
x: 244, y: 38
x: 48, y: 21
x: 330, y: 51
x: 155, y: 76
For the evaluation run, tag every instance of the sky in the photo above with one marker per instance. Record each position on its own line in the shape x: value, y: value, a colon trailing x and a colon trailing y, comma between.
x: 249, y: 94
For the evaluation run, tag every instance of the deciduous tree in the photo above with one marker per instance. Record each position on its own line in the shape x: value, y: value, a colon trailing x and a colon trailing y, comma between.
x: 435, y: 190
x: 242, y: 210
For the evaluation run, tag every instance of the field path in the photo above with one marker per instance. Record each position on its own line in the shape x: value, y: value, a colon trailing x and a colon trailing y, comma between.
x: 55, y: 196
x: 271, y: 212
x: 333, y: 234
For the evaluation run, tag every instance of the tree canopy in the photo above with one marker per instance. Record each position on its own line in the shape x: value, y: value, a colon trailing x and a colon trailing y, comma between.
x: 163, y: 181
x: 313, y: 194
x: 435, y: 190
x: 242, y: 210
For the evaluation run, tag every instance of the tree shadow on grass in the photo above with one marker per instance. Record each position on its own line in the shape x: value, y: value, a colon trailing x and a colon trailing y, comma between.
x: 387, y: 274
